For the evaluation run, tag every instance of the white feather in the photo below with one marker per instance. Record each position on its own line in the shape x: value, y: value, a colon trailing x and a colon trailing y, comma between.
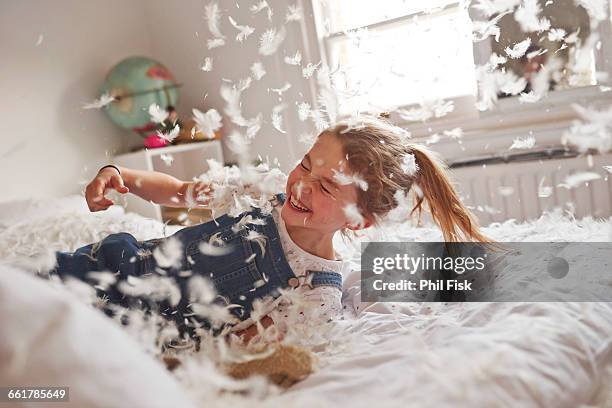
x: 238, y: 144
x: 257, y: 70
x: 409, y: 164
x: 574, y: 180
x: 282, y: 89
x: 481, y: 30
x: 303, y: 109
x: 262, y: 5
x: 535, y: 53
x: 544, y: 191
x: 208, y: 122
x: 526, y: 143
x: 298, y: 189
x: 169, y: 253
x: 294, y: 13
x: 494, y: 7
x: 527, y: 15
x: 101, y: 102
x: 455, y: 133
x: 572, y: 37
x: 427, y: 110
x: 244, y: 31
x: 171, y: 135
x: 496, y: 60
x: 201, y: 290
x: 309, y: 69
x: 277, y: 118
x: 295, y: 59
x: 254, y: 126
x: 233, y: 108
x: 214, y: 43
x: 213, y: 250
x: 511, y: 84
x: 231, y: 95
x: 157, y: 114
x: 207, y: 66
x: 433, y: 139
x: 345, y: 179
x: 556, y: 34
x: 270, y: 40
x: 353, y: 215
x: 168, y: 159
x: 328, y: 94
x: 319, y: 120
x: 518, y: 49
x: 105, y: 279
x: 529, y: 97
x: 592, y: 131
x: 244, y: 84
x: 154, y: 287
x: 259, y: 239
x: 492, y: 80
x: 213, y: 18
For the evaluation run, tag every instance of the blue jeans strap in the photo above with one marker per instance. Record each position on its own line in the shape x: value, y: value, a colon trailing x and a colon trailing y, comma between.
x: 325, y: 278
x: 281, y: 197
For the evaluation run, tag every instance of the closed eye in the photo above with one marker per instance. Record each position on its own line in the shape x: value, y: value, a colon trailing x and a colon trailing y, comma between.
x: 325, y: 190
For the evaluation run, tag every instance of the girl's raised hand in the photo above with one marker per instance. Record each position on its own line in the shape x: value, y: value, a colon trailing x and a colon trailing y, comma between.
x: 107, y: 178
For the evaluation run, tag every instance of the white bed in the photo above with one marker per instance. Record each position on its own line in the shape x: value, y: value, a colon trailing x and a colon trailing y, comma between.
x: 462, y: 354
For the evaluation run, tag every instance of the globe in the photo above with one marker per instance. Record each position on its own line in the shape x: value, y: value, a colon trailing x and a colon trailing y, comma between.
x: 136, y: 83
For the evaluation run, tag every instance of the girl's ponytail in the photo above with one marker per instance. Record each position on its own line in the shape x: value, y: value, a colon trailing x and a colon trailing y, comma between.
x: 377, y: 151
x: 455, y: 220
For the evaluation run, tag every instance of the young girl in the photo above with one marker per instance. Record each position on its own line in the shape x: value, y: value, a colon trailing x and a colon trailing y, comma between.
x: 349, y: 180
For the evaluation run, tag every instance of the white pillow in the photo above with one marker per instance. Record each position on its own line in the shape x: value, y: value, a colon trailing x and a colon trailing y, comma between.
x: 49, y: 338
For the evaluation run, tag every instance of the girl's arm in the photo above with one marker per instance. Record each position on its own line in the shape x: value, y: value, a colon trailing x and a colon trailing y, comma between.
x: 152, y: 186
x: 159, y: 188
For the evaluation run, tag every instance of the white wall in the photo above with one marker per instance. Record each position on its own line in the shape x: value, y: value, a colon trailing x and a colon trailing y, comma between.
x: 48, y: 142
x: 179, y: 34
x: 52, y: 147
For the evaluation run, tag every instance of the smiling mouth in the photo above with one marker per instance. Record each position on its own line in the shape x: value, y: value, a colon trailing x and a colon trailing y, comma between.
x: 297, y: 205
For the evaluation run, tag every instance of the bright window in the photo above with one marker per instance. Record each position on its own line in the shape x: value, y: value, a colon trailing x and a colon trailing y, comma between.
x: 397, y: 52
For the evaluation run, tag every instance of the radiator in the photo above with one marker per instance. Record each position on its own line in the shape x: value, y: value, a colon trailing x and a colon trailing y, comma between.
x: 524, y: 189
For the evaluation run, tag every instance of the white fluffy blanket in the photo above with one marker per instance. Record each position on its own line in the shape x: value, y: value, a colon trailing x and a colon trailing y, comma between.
x: 430, y: 354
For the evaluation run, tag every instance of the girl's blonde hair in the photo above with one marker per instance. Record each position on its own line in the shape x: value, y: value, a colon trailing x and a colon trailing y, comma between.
x: 376, y: 150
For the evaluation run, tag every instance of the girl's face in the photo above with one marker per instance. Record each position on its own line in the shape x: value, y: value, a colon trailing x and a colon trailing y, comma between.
x: 315, y: 200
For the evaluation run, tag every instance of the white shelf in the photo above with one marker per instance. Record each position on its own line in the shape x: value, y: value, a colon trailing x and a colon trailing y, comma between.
x: 181, y: 148
x: 189, y: 161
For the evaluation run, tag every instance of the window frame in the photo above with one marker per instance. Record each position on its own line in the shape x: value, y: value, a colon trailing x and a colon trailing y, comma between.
x: 463, y: 104
x: 465, y: 113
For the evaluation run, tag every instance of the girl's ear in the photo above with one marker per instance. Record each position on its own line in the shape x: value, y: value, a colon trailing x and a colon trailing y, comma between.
x: 368, y: 223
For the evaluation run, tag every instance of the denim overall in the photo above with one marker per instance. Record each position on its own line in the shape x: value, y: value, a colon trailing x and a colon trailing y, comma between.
x: 238, y: 276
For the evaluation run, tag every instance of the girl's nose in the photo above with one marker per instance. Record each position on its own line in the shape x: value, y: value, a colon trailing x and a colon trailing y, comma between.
x: 304, y: 186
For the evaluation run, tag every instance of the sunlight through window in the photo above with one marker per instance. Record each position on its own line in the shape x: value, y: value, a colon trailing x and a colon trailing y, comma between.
x: 399, y: 54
